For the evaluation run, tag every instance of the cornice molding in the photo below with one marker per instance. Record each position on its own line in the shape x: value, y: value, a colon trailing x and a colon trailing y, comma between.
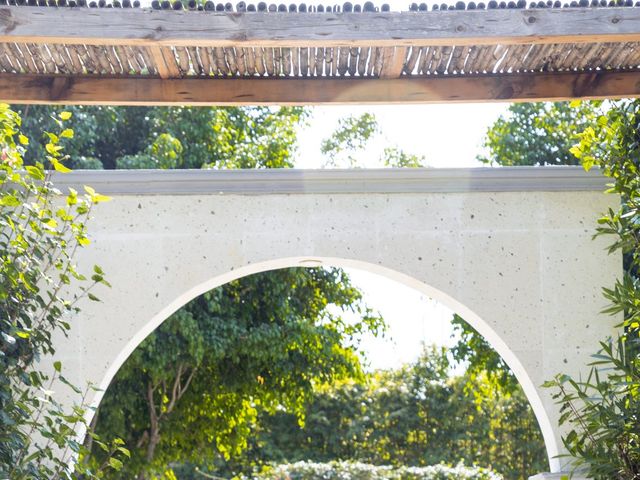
x: 354, y: 181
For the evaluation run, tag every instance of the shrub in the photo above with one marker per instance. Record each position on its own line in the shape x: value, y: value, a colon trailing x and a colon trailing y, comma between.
x: 364, y: 471
x: 40, y: 231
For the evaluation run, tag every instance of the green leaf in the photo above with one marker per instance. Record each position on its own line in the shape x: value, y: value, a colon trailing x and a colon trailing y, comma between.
x: 57, y: 365
x: 53, y: 149
x: 124, y: 451
x: 70, y: 385
x: 59, y: 167
x: 98, y: 198
x: 67, y: 133
x: 72, y: 198
x: 10, y: 200
x: 35, y: 172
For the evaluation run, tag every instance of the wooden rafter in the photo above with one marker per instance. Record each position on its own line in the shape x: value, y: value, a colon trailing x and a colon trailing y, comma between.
x: 165, y: 62
x: 162, y: 57
x: 393, y: 61
x: 192, y: 91
x: 388, y: 29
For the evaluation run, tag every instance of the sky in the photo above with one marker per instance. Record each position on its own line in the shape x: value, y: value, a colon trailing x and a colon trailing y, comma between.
x: 449, y: 136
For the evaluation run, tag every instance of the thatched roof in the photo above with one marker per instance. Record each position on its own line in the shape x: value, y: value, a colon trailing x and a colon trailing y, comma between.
x: 71, y: 51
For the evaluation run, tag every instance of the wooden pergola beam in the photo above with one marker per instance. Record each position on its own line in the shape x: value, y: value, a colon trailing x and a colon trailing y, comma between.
x: 388, y: 29
x: 208, y: 92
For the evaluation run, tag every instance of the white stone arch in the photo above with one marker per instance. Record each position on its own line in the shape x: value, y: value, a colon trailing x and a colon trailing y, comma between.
x: 472, y: 318
x: 510, y: 250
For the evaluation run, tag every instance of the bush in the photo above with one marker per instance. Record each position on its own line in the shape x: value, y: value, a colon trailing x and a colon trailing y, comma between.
x: 40, y: 230
x: 87, y: 163
x: 164, y: 153
x: 364, y: 471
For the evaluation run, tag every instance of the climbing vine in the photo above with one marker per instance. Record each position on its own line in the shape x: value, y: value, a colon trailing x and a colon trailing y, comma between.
x: 40, y: 232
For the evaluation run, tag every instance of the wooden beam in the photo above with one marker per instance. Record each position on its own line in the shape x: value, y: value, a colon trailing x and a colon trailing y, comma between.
x: 388, y: 29
x: 37, y: 89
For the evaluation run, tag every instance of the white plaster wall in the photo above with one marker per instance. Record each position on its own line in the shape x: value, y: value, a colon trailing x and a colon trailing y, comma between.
x: 520, y: 267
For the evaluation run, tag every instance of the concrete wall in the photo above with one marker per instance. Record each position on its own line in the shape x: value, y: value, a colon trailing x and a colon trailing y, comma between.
x: 508, y: 249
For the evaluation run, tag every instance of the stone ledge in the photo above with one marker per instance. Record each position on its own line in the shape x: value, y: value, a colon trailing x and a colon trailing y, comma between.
x: 293, y: 181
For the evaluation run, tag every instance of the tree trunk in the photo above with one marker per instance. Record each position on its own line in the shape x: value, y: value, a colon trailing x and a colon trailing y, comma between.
x: 153, y: 434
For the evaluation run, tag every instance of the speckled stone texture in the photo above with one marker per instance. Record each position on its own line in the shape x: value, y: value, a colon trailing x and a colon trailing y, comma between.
x: 522, y: 268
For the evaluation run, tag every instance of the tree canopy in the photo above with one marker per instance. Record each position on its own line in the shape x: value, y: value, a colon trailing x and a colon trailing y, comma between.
x: 175, y: 137
x: 537, y: 134
x: 418, y: 415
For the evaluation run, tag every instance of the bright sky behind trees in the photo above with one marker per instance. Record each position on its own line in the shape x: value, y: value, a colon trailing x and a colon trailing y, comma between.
x: 448, y: 135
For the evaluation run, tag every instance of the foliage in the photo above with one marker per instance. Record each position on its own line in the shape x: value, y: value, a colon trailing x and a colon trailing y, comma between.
x: 351, y: 135
x: 397, y: 158
x: 480, y: 357
x: 41, y: 231
x: 176, y: 137
x: 601, y: 411
x: 87, y: 163
x: 537, y: 134
x: 415, y: 416
x: 362, y: 471
x: 164, y: 153
x: 193, y: 390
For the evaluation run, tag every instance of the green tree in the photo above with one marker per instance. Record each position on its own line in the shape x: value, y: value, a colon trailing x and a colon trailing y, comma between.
x: 537, y: 134
x: 397, y: 158
x: 194, y: 388
x: 352, y: 135
x: 176, y: 137
x: 480, y: 357
x: 417, y: 415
